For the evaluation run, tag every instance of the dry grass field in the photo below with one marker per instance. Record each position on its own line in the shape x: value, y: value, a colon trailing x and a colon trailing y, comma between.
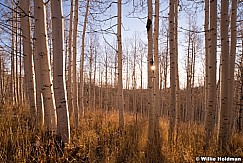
x: 98, y: 139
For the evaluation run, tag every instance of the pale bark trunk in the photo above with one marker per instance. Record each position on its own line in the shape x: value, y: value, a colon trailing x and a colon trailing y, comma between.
x: 82, y: 60
x: 241, y: 90
x: 188, y: 85
x: 42, y: 51
x: 63, y: 127
x: 74, y: 86
x: 12, y: 81
x: 150, y: 76
x: 177, y: 91
x: 69, y: 83
x: 39, y: 100
x: 224, y: 121
x: 120, y: 87
x: 90, y: 74
x: 172, y: 109
x: 16, y: 68
x: 232, y: 58
x: 28, y: 59
x: 211, y: 109
x: 156, y: 71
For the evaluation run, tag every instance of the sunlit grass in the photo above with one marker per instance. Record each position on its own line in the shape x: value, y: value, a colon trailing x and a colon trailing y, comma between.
x: 98, y: 139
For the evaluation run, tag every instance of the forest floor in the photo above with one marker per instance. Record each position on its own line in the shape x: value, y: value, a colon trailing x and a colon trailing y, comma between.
x: 98, y: 139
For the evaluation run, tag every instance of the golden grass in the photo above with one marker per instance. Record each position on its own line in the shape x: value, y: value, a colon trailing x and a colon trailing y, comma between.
x: 98, y: 139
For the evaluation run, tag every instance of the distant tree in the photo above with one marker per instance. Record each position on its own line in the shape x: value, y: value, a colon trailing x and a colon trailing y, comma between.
x: 74, y: 66
x: 70, y: 64
x: 82, y: 60
x: 119, y: 51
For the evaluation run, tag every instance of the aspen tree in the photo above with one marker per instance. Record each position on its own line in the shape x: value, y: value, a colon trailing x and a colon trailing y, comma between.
x: 94, y: 91
x: 63, y: 127
x: 90, y: 74
x: 119, y: 51
x: 156, y: 68
x: 12, y: 80
x: 38, y: 83
x: 224, y: 120
x: 241, y: 91
x: 69, y: 83
x: 177, y: 84
x: 82, y: 60
x: 74, y: 72
x: 134, y: 76
x: 172, y: 109
x: 42, y: 51
x: 150, y: 76
x: 232, y: 57
x: 28, y: 58
x: 211, y: 106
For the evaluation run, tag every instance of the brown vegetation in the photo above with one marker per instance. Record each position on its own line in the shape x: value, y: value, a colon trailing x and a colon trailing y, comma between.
x: 98, y: 139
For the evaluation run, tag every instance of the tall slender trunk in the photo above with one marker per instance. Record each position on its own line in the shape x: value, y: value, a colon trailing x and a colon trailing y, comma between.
x: 172, y: 109
x: 82, y: 60
x: 70, y: 55
x: 177, y: 91
x: 211, y: 106
x: 74, y: 86
x: 63, y: 127
x: 45, y: 68
x: 12, y: 81
x: 232, y: 58
x: 224, y: 121
x: 207, y: 39
x: 28, y: 59
x: 150, y: 64
x: 119, y: 44
x: 90, y: 74
x: 16, y: 66
x: 156, y: 70
x: 94, y: 91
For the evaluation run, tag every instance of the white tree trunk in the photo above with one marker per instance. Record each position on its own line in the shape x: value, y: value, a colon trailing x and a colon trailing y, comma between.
x: 206, y: 28
x: 63, y: 127
x: 74, y: 86
x: 28, y: 58
x: 120, y: 87
x: 224, y: 120
x: 69, y: 83
x: 172, y: 109
x: 232, y: 58
x: 156, y: 70
x: 82, y: 60
x: 42, y: 51
x: 211, y: 107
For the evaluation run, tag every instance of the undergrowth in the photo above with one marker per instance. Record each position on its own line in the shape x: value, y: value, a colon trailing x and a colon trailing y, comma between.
x: 98, y: 139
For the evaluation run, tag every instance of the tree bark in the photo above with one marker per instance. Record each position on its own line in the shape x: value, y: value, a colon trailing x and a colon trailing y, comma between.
x: 82, y: 60
x: 28, y: 59
x: 120, y: 87
x: 63, y: 127
x: 75, y: 86
x: 45, y: 68
x: 224, y: 120
x: 70, y: 55
x: 232, y: 58
x: 172, y: 109
x: 211, y: 109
